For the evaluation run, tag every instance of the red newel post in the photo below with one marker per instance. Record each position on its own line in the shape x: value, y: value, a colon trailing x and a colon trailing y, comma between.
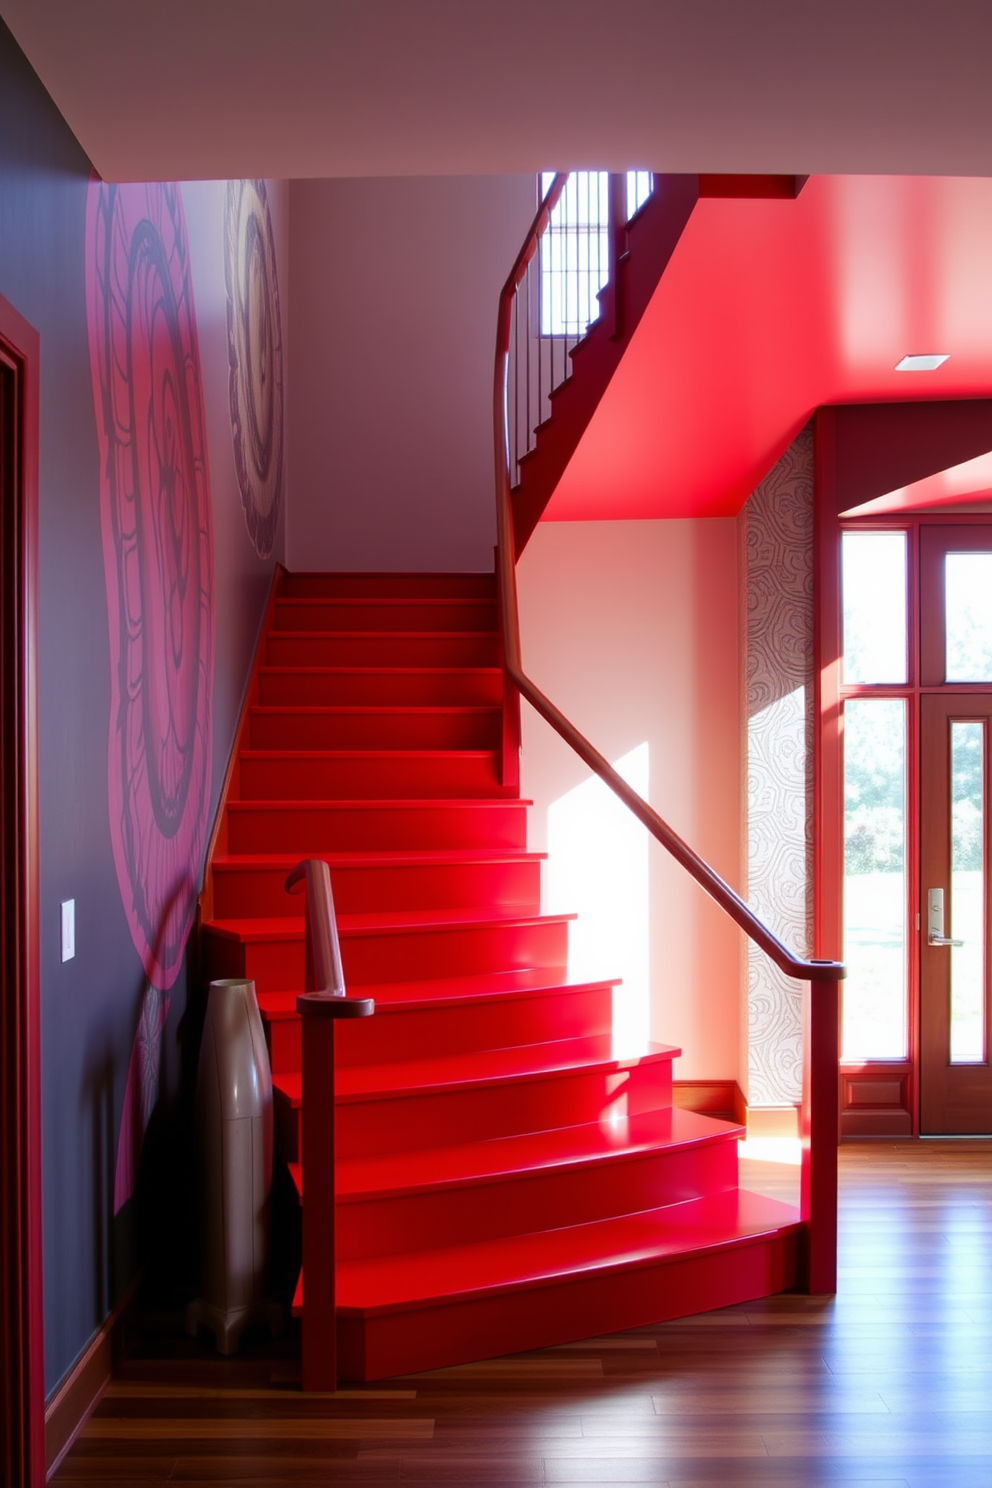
x: 819, y: 1131
x: 323, y: 1003
x: 320, y: 1366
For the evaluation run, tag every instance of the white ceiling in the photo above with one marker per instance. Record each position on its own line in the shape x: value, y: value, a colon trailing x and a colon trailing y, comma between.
x: 231, y: 88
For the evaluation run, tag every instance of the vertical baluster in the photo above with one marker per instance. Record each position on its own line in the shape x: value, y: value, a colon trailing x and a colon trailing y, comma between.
x: 527, y: 350
x: 549, y: 340
x: 539, y: 379
x: 513, y: 434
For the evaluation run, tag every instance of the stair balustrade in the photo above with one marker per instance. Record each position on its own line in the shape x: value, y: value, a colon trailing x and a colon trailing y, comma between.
x: 320, y: 1006
x: 821, y: 1003
x: 581, y: 229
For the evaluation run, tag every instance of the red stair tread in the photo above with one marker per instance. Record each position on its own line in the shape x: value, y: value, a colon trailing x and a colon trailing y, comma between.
x: 362, y: 636
x: 450, y: 991
x: 376, y: 803
x: 266, y: 862
x: 523, y: 1262
x: 483, y: 1067
x: 505, y: 1158
x: 398, y: 922
x: 318, y: 583
x: 294, y: 755
x: 269, y: 669
x: 387, y: 709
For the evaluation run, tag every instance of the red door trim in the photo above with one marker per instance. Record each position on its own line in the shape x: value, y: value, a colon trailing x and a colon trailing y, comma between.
x: 21, y: 1316
x: 878, y: 1098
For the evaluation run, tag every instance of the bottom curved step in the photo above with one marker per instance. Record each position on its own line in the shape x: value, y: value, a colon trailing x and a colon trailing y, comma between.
x: 401, y: 1314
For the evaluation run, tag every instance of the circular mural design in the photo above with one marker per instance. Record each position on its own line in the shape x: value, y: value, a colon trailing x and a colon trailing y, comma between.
x: 254, y: 339
x: 158, y: 557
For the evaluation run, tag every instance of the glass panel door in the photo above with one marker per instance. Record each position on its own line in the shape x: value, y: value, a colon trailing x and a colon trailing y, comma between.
x: 955, y: 1076
x: 875, y: 886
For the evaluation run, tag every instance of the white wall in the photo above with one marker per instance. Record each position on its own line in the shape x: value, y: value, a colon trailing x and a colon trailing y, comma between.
x: 393, y: 328
x: 632, y: 629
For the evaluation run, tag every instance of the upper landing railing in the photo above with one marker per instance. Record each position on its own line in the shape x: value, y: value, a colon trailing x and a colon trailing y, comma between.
x: 819, y: 1113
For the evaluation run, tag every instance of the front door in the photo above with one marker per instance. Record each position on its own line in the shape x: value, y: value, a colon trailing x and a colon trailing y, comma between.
x: 955, y: 1072
x: 955, y: 714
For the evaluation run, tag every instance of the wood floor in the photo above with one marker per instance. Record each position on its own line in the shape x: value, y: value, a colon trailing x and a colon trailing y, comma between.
x: 890, y: 1383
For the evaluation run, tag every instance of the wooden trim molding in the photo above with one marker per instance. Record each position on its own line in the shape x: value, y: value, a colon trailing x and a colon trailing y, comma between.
x: 720, y: 1098
x: 22, y: 1378
x: 876, y: 1099
x: 75, y: 1399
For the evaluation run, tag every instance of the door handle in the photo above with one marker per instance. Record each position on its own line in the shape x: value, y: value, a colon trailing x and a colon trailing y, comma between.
x: 935, y: 920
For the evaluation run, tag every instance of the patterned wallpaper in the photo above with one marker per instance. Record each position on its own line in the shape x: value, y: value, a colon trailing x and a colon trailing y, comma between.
x: 777, y: 560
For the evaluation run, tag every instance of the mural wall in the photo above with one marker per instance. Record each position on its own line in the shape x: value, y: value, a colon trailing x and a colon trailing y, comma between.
x: 161, y: 512
x: 776, y: 534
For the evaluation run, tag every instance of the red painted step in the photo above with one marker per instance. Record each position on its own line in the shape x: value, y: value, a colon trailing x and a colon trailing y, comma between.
x: 486, y: 1094
x: 427, y: 687
x: 383, y: 649
x: 309, y: 828
x: 254, y: 884
x: 476, y: 1191
x: 395, y: 585
x: 389, y: 947
x: 430, y: 1308
x: 375, y: 728
x: 507, y: 1177
x: 396, y: 613
x: 301, y: 775
x: 452, y: 1015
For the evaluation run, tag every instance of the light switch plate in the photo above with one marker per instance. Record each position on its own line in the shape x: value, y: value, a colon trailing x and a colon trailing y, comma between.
x: 68, y: 929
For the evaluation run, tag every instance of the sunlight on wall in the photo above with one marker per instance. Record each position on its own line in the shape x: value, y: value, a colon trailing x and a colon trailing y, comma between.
x: 598, y: 867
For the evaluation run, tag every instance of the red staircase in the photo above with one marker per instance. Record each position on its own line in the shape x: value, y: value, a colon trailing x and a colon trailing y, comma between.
x: 505, y: 1179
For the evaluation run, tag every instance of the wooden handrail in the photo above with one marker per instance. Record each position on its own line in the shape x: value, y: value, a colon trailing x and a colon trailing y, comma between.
x: 819, y: 1112
x: 324, y: 975
x: 704, y: 875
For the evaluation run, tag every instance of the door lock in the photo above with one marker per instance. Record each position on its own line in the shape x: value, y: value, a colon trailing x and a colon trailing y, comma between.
x: 935, y: 920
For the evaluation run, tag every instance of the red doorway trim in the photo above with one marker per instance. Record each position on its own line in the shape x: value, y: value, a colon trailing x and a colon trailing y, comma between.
x: 21, y: 1317
x: 878, y: 1098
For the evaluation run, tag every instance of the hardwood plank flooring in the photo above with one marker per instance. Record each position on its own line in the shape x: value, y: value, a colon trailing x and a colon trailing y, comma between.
x: 888, y: 1384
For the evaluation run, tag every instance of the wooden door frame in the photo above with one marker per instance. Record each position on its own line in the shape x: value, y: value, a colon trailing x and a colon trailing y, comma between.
x: 22, y: 1396
x: 878, y: 1098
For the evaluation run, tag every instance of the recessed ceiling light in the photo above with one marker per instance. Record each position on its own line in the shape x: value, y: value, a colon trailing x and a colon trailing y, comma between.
x: 922, y: 363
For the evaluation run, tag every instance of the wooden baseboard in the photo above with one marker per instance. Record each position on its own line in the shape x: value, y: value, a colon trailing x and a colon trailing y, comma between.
x: 720, y: 1098
x: 74, y: 1400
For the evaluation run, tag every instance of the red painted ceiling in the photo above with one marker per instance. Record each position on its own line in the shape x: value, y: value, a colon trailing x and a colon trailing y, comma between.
x: 769, y: 309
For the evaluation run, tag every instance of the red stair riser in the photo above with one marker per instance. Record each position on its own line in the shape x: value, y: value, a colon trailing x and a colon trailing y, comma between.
x: 381, y: 729
x: 240, y: 891
x: 440, y: 1030
x: 438, y: 1118
x: 384, y: 1346
x: 364, y: 776
x: 387, y: 827
x: 277, y: 965
x: 385, y: 614
x: 313, y: 687
x: 531, y: 1201
x: 436, y: 650
x: 282, y: 1035
x: 472, y: 1026
x: 393, y: 585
